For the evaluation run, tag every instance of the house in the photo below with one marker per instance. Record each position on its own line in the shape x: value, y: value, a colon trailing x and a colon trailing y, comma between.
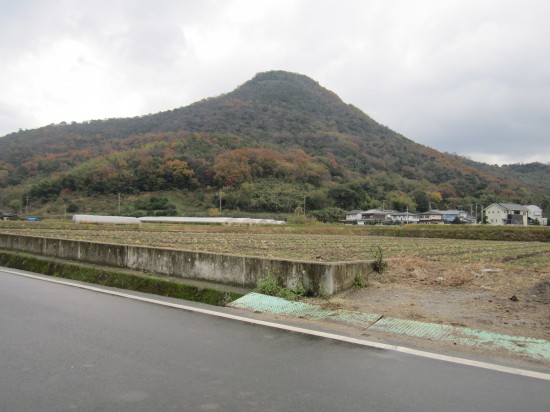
x: 449, y: 216
x: 352, y: 217
x: 405, y: 217
x: 506, y: 214
x: 375, y: 216
x: 368, y: 217
x: 534, y: 213
x: 431, y: 217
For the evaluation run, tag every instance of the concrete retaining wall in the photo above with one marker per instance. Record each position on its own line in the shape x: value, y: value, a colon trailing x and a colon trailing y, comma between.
x: 318, y: 278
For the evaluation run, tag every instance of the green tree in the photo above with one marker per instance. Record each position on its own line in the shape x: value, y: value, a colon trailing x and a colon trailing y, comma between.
x: 422, y: 201
x: 347, y: 195
x: 399, y: 200
x: 15, y: 205
x: 328, y: 215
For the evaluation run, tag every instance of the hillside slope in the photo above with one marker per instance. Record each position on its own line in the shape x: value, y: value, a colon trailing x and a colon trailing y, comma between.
x: 280, y: 136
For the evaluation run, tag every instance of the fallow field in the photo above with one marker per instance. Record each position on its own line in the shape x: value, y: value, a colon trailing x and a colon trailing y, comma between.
x: 306, y: 246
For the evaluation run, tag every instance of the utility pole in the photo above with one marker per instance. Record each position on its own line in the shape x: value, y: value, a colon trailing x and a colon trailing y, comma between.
x: 27, y: 206
x: 304, y: 205
x: 220, y: 201
x: 119, y: 203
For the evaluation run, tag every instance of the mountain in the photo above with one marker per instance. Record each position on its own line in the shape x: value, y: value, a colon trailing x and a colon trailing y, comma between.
x: 271, y: 142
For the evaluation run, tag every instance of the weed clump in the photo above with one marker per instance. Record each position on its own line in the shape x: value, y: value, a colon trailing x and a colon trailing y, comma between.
x: 379, y: 264
x: 268, y: 286
x: 271, y: 286
x: 359, y: 282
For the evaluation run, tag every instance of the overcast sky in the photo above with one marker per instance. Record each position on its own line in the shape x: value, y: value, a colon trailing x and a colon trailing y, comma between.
x: 461, y: 76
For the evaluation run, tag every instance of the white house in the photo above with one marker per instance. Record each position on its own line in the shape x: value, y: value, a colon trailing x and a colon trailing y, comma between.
x: 371, y: 216
x: 449, y: 216
x: 506, y: 214
x: 405, y: 217
x: 353, y: 217
x: 535, y: 213
x: 431, y: 217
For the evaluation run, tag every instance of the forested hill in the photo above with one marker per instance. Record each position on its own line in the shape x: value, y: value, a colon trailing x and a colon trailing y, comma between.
x: 273, y: 140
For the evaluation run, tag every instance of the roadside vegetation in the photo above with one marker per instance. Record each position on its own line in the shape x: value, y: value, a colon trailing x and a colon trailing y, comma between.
x: 271, y: 285
x: 117, y: 278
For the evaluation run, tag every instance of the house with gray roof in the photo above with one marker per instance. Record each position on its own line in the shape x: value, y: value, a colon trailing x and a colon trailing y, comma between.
x: 405, y: 217
x: 352, y: 217
x: 431, y: 217
x: 506, y: 214
x: 369, y: 217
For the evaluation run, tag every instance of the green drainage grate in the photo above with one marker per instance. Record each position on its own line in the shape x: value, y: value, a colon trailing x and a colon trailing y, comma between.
x: 534, y: 348
x: 278, y: 306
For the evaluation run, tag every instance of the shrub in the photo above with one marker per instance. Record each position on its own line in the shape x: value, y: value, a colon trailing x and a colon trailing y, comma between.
x: 329, y: 214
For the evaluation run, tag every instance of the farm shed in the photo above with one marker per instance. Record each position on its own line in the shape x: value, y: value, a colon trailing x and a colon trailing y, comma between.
x: 8, y: 216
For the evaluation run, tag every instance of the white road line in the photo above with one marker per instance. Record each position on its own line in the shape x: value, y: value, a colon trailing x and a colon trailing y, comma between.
x: 402, y: 349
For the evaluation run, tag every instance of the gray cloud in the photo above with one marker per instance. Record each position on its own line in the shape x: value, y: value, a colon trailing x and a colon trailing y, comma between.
x: 460, y: 76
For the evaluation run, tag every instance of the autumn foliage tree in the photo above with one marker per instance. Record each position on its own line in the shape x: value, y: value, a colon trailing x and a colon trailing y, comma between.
x: 244, y: 165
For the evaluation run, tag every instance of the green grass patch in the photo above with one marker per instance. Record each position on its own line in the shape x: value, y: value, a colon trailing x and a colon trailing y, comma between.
x: 270, y: 285
x: 118, y: 279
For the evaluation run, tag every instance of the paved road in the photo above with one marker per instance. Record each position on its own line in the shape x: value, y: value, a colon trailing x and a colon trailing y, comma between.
x: 63, y: 348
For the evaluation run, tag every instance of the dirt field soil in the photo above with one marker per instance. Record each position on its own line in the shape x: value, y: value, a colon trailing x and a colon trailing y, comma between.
x: 498, y: 298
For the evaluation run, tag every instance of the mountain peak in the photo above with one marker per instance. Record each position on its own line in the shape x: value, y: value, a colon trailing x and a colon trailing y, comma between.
x: 275, y: 77
x: 286, y: 88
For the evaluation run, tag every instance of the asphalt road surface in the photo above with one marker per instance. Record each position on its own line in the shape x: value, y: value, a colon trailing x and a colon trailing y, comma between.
x: 63, y: 348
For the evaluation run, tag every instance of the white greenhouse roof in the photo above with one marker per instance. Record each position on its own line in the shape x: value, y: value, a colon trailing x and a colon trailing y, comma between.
x: 211, y: 220
x: 116, y: 220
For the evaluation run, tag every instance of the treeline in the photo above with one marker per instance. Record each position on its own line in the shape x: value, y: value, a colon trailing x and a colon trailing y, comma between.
x: 166, y: 166
x: 255, y: 179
